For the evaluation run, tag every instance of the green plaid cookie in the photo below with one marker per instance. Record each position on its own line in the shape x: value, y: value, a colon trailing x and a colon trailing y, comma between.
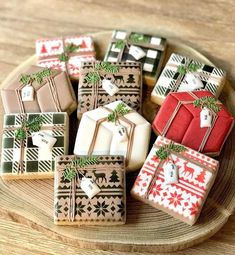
x: 21, y: 159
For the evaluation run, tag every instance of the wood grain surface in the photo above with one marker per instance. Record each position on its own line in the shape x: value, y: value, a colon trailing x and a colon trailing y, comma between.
x: 205, y: 25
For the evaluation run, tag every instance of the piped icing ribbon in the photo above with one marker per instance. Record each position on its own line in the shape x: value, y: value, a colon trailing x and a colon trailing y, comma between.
x: 134, y: 39
x: 180, y: 154
x: 38, y: 79
x: 177, y: 108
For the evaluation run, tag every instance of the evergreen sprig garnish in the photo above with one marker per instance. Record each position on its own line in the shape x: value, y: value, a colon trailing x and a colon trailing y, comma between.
x: 134, y: 38
x: 209, y: 102
x: 33, y: 125
x: 119, y: 111
x: 165, y: 151
x: 26, y: 79
x: 139, y: 38
x: 92, y: 77
x: 70, y: 171
x: 192, y: 67
x: 120, y: 44
x: 69, y: 48
x: 107, y: 67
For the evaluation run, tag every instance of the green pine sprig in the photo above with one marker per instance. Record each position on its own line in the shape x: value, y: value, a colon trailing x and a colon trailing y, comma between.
x: 192, y: 67
x: 70, y: 171
x: 119, y: 111
x: 26, y: 79
x: 69, y: 48
x: 92, y: 77
x: 33, y: 125
x: 207, y: 101
x: 120, y: 44
x: 165, y: 151
x: 138, y: 38
x: 107, y: 67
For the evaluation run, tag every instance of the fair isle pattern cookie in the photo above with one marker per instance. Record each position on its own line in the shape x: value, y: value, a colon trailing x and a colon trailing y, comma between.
x: 126, y: 77
x: 65, y: 54
x: 74, y: 207
x: 183, y: 200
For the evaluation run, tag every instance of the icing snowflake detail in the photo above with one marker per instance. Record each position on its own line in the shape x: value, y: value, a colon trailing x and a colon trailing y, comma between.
x: 175, y: 199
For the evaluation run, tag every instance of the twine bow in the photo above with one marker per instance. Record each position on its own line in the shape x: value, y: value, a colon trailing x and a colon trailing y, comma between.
x: 197, y: 102
x: 134, y: 39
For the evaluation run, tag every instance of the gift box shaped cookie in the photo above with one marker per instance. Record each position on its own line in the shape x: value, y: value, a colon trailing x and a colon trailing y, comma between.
x: 30, y: 142
x: 147, y: 49
x: 195, y: 119
x: 185, y: 74
x: 90, y: 190
x: 39, y: 89
x: 101, y: 83
x: 65, y: 54
x: 114, y: 129
x: 175, y: 179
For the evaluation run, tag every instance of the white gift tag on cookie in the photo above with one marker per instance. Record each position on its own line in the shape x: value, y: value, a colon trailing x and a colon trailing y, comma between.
x: 136, y: 52
x: 89, y: 187
x: 205, y: 117
x: 109, y: 87
x: 193, y: 82
x: 121, y: 133
x: 43, y: 140
x: 170, y: 172
x: 27, y: 93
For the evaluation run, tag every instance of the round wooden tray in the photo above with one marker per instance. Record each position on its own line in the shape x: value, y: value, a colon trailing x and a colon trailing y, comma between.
x: 147, y: 229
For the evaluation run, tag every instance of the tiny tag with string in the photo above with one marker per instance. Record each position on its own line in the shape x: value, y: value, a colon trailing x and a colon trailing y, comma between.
x: 43, y: 140
x: 170, y: 172
x: 89, y: 187
x: 193, y: 81
x: 136, y: 52
x: 121, y: 133
x: 27, y: 93
x: 109, y: 87
x: 205, y: 117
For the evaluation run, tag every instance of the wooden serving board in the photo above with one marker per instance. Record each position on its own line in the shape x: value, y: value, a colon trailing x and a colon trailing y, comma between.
x: 147, y: 230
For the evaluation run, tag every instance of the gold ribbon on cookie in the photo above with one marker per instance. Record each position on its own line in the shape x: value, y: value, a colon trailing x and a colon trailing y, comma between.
x: 40, y: 78
x: 173, y: 115
x: 134, y: 39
